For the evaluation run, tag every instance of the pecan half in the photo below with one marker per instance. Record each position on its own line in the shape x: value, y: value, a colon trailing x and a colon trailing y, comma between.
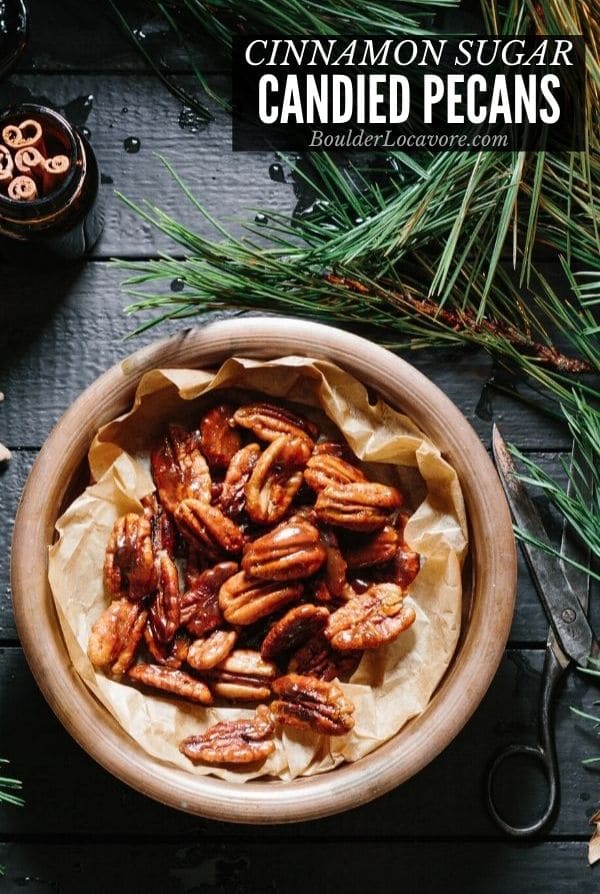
x: 306, y: 703
x: 335, y: 448
x: 219, y: 439
x: 373, y: 550
x: 171, y: 654
x: 323, y: 469
x: 208, y: 529
x: 334, y: 577
x: 116, y: 635
x: 244, y: 600
x: 292, y: 550
x: 370, y: 619
x: 233, y: 499
x: 275, y: 479
x: 165, y: 610
x: 242, y: 676
x: 233, y: 741
x: 316, y: 658
x: 179, y: 469
x: 164, y: 532
x: 268, y: 422
x: 359, y: 506
x: 295, y: 628
x: 175, y: 682
x: 200, y: 610
x: 129, y: 558
x: 211, y: 649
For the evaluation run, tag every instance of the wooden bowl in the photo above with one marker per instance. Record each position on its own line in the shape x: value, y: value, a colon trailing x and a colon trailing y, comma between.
x: 57, y: 477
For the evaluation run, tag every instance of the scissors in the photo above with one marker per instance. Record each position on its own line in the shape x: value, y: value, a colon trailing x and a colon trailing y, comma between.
x: 564, y: 593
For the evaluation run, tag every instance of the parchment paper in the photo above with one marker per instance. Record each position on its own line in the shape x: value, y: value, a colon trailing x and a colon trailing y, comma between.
x: 390, y: 685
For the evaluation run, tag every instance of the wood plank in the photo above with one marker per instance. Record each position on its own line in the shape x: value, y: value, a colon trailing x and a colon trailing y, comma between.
x: 67, y: 326
x: 254, y: 867
x: 130, y: 105
x: 444, y: 800
x: 529, y: 624
x: 74, y: 36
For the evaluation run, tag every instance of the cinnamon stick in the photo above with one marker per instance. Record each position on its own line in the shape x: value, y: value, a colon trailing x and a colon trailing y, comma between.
x: 22, y: 189
x: 28, y: 158
x: 27, y: 133
x: 54, y: 171
x: 6, y: 166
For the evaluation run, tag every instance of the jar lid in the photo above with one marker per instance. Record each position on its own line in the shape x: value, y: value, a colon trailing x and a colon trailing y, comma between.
x: 14, y: 28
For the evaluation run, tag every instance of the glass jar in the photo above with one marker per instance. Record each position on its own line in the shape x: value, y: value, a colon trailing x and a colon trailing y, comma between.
x: 67, y: 222
x: 13, y: 33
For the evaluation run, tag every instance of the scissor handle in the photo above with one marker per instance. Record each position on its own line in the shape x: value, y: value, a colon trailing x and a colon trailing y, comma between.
x: 548, y: 762
x: 544, y: 752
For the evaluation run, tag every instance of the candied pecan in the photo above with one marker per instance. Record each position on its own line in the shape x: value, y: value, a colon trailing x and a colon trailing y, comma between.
x: 359, y: 506
x: 323, y: 469
x: 316, y: 658
x: 200, y: 610
x: 370, y: 619
x: 275, y: 479
x: 268, y: 422
x: 129, y: 559
x: 243, y: 676
x: 244, y: 600
x: 243, y: 741
x: 116, y: 635
x: 233, y: 499
x: 334, y: 448
x: 292, y: 550
x: 211, y: 649
x: 165, y: 610
x: 307, y: 703
x: 218, y: 438
x: 179, y: 469
x: 334, y: 577
x: 295, y: 628
x: 171, y: 654
x: 373, y: 550
x: 206, y: 528
x: 176, y: 682
x: 164, y: 532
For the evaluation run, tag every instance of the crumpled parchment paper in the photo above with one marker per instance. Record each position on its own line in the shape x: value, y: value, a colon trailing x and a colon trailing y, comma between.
x: 390, y: 685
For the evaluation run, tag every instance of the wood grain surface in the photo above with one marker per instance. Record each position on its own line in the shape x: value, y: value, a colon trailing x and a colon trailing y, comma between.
x: 83, y: 830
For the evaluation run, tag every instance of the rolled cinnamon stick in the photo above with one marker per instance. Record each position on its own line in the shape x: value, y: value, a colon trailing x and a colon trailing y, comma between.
x: 22, y: 189
x: 54, y: 171
x: 27, y: 133
x: 28, y: 159
x: 6, y: 166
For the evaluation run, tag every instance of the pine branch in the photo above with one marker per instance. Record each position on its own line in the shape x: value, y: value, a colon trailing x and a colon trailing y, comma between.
x: 466, y: 321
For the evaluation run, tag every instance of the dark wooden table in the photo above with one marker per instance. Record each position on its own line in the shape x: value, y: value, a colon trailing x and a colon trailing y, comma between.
x: 82, y: 830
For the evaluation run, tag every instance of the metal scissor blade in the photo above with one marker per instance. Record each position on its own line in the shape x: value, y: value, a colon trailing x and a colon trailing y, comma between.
x: 565, y: 612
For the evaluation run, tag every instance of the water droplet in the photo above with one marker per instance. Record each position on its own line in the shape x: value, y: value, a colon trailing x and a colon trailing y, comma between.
x: 177, y: 285
x: 104, y: 178
x: 261, y: 218
x: 124, y: 110
x: 277, y: 173
x: 78, y: 110
x: 132, y: 145
x: 85, y: 132
x: 138, y: 34
x: 190, y: 120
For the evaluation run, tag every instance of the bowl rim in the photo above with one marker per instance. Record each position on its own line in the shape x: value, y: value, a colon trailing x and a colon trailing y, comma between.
x: 458, y: 694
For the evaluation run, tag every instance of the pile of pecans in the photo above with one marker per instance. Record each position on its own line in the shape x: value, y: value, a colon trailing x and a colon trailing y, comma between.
x: 294, y: 563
